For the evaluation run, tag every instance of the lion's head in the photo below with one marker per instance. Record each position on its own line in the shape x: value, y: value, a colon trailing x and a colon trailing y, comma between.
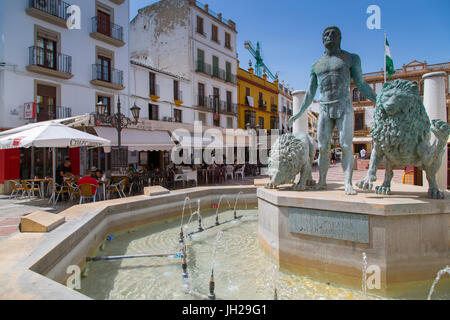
x: 400, y: 119
x: 284, y: 160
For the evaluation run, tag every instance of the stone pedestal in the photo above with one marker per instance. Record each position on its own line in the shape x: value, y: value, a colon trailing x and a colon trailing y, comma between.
x: 323, y: 234
x: 301, y: 124
x: 435, y: 104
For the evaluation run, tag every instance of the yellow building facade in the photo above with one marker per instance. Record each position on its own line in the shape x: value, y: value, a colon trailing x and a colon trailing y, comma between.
x: 257, y: 101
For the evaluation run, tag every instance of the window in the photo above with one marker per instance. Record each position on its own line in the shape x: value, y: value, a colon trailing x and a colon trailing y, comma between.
x: 152, y: 82
x: 104, y: 22
x: 228, y: 72
x: 46, y: 52
x: 201, y: 95
x: 261, y: 101
x: 153, y: 112
x: 200, y: 25
x: 214, y: 33
x: 355, y: 95
x: 215, y: 66
x: 227, y: 40
x: 274, y: 123
x: 229, y: 105
x: 229, y: 122
x: 359, y: 121
x: 261, y: 122
x: 202, y: 118
x: 216, y: 100
x: 176, y: 90
x: 250, y: 118
x: 177, y: 115
x: 104, y: 68
x: 200, y: 60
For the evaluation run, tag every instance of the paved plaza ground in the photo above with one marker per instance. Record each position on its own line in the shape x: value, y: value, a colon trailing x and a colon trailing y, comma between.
x: 12, y: 210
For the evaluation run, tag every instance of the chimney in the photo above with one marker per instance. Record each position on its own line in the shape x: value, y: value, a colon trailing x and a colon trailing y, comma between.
x: 219, y: 15
x: 206, y: 7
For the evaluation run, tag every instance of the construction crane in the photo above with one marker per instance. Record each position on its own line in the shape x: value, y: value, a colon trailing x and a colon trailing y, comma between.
x: 260, y: 67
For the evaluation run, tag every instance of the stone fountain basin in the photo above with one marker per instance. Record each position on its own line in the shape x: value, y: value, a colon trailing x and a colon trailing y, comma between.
x: 34, y: 265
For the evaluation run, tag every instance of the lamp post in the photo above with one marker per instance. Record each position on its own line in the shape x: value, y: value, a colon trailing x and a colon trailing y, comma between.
x: 117, y: 120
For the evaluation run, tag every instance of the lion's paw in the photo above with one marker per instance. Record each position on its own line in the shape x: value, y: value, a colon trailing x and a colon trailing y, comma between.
x: 366, y: 183
x: 310, y: 183
x: 434, y: 193
x: 383, y: 190
x: 299, y: 187
x: 349, y: 190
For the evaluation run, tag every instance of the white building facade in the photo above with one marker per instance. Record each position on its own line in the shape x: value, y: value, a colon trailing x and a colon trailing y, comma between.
x: 187, y: 39
x: 285, y: 109
x: 63, y: 71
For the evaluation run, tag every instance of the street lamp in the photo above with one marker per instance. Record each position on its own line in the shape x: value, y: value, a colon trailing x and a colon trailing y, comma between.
x: 117, y: 120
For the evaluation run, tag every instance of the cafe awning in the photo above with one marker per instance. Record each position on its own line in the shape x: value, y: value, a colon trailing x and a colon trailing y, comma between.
x: 138, y: 140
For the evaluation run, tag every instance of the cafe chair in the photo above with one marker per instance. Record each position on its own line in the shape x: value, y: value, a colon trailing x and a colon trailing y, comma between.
x: 229, y: 172
x: 179, y: 177
x: 88, y: 191
x: 74, y: 190
x: 16, y: 188
x: 30, y: 188
x: 118, y: 188
x: 57, y: 192
x: 240, y: 172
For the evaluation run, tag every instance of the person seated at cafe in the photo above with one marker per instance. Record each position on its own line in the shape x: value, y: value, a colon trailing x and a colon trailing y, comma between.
x: 131, y: 168
x: 89, y: 179
x: 101, y: 179
x: 64, y: 171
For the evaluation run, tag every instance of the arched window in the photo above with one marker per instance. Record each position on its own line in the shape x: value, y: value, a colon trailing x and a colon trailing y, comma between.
x: 355, y: 95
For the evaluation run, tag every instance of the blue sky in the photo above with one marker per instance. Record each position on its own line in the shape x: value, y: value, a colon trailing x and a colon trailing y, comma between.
x: 290, y: 31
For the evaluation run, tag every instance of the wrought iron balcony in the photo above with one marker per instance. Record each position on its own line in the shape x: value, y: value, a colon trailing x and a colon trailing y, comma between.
x: 50, y: 112
x: 262, y: 104
x: 110, y: 75
x: 107, y: 28
x: 55, y: 8
x: 273, y: 108
x: 178, y: 95
x: 228, y: 107
x: 50, y: 63
x: 154, y: 90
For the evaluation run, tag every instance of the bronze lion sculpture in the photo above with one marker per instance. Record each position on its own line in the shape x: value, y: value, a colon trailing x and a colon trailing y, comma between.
x: 401, y: 135
x: 290, y: 155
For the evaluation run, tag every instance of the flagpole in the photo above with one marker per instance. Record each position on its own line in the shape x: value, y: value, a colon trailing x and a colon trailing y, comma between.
x: 385, y: 56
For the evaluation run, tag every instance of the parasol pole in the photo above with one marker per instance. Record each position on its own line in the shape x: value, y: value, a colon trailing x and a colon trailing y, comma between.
x: 54, y: 175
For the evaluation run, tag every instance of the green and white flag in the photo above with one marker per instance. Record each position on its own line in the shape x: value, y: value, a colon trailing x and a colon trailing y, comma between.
x: 389, y: 63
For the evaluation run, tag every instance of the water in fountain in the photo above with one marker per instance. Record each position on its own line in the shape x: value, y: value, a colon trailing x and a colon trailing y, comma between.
x: 218, y: 207
x: 438, y: 277
x: 274, y: 270
x: 236, y: 201
x: 364, y: 273
x: 182, y: 216
x: 199, y: 217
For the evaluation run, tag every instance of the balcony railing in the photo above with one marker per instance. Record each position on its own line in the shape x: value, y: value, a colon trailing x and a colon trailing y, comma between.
x: 284, y: 109
x: 56, y: 8
x: 107, y: 28
x: 262, y: 105
x: 111, y: 75
x: 208, y: 69
x: 228, y: 107
x: 49, y: 112
x: 50, y: 60
x: 273, y: 108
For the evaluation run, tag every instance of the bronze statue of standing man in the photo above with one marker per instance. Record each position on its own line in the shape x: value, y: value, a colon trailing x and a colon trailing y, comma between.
x: 332, y: 74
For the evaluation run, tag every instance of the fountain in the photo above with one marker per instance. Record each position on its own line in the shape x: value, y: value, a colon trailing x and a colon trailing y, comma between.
x: 218, y: 207
x: 364, y: 273
x: 438, y: 277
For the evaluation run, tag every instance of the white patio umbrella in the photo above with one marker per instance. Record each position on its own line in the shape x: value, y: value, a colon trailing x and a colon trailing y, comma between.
x: 51, y: 135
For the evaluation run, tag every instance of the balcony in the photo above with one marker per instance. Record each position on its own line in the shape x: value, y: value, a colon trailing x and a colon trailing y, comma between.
x: 108, y: 78
x: 178, y: 97
x: 262, y: 105
x: 284, y: 109
x: 108, y: 32
x: 154, y: 93
x: 289, y: 113
x: 203, y: 103
x: 46, y: 112
x: 229, y: 108
x: 208, y: 69
x: 365, y: 131
x: 274, y: 108
x: 52, y: 11
x: 49, y: 63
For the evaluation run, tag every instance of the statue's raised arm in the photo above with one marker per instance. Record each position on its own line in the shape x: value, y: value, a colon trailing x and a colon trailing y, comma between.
x: 357, y: 76
x: 308, y: 98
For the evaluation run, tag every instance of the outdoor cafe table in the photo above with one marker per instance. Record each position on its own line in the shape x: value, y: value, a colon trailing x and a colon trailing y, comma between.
x: 41, y: 181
